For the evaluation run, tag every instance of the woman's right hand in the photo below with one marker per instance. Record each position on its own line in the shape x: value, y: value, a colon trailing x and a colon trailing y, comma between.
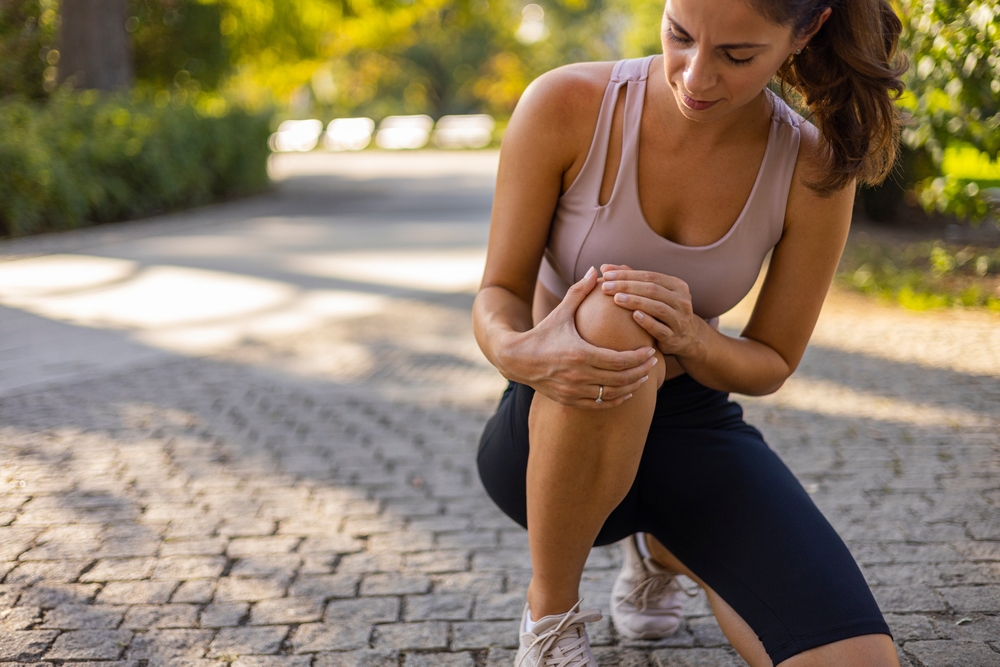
x: 554, y: 360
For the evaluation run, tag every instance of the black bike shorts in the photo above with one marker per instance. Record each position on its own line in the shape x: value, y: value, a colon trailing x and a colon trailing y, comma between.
x: 713, y: 493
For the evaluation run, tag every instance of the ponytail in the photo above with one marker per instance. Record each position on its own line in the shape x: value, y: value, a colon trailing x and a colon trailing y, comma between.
x: 848, y: 77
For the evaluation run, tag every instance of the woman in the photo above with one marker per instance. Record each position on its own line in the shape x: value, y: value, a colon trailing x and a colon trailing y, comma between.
x: 675, y: 175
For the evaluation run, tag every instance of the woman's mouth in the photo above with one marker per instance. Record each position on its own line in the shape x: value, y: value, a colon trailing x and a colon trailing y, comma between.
x: 697, y: 105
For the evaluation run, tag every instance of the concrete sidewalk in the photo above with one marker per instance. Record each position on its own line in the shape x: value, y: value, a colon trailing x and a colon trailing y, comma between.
x: 246, y: 435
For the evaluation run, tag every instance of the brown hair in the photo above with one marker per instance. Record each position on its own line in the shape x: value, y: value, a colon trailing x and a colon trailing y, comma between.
x: 848, y: 77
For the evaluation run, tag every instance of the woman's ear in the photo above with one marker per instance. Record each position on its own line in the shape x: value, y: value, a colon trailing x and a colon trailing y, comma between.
x: 811, y: 31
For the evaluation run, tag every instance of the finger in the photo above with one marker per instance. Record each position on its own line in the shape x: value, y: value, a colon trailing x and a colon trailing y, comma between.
x: 651, y: 290
x: 579, y: 291
x: 656, y: 328
x: 605, y: 404
x: 655, y: 316
x: 613, y: 360
x: 664, y: 309
x: 667, y: 338
x: 641, y: 276
x: 670, y: 282
x: 615, y: 267
x: 611, y: 393
x: 624, y: 378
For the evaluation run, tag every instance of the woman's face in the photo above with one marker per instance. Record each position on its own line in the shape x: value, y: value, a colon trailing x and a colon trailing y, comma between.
x: 720, y: 54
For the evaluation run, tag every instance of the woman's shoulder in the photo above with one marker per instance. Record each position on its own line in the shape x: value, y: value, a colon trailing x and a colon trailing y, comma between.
x: 566, y: 96
x: 814, y: 151
x: 812, y: 160
x: 572, y: 84
x: 812, y: 165
x: 783, y: 112
x: 557, y: 114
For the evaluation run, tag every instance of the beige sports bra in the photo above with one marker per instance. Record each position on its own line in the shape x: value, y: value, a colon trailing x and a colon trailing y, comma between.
x: 586, y: 234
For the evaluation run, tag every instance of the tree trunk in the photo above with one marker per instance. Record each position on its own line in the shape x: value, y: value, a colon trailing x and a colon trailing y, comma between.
x: 95, y: 49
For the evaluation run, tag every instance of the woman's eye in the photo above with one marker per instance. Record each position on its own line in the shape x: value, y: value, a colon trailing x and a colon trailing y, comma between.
x: 674, y: 37
x: 737, y: 61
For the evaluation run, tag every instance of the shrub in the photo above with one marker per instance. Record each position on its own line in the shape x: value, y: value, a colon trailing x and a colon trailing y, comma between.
x: 923, y: 275
x: 953, y: 96
x: 82, y: 158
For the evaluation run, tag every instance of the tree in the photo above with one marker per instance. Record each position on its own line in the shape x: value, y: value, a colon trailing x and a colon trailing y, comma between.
x: 953, y: 92
x: 381, y: 57
x: 94, y: 47
x: 26, y: 34
x: 177, y: 43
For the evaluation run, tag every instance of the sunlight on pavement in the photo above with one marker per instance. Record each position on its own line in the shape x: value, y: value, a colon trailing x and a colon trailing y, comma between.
x: 60, y: 273
x: 175, y: 308
x: 894, y: 334
x: 837, y: 400
x: 956, y: 340
x: 160, y: 296
x: 206, y: 245
x: 304, y: 312
x: 449, y: 271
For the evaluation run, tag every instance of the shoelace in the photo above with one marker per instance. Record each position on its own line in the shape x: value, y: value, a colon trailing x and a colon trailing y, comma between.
x: 572, y: 654
x: 653, y: 585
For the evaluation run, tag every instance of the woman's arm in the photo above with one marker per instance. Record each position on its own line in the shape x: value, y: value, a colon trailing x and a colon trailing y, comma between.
x: 772, y: 344
x: 544, y: 147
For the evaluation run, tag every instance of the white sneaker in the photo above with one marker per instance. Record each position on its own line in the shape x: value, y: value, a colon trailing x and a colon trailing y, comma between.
x: 647, y: 599
x: 557, y: 641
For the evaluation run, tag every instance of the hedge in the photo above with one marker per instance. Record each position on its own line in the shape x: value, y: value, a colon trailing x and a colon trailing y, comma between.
x: 82, y: 158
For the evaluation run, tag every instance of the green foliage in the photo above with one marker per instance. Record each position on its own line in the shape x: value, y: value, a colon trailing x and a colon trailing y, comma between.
x: 953, y: 96
x: 640, y: 32
x: 330, y: 58
x: 81, y: 158
x: 469, y: 58
x: 177, y: 43
x: 381, y: 57
x: 26, y: 32
x: 967, y: 172
x: 925, y: 275
x: 435, y: 66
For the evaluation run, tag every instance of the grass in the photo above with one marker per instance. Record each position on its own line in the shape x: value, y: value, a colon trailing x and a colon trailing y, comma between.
x: 923, y: 275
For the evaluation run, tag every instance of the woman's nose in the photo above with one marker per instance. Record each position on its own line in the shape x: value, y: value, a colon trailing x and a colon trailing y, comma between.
x: 699, y: 76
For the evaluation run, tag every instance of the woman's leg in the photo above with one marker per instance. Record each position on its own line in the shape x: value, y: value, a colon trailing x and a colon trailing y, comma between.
x: 863, y: 651
x: 582, y: 463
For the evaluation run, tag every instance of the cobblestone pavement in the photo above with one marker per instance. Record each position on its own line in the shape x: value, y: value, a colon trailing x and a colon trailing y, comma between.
x: 305, y: 495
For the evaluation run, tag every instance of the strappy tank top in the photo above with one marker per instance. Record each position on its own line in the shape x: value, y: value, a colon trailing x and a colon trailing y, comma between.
x: 719, y: 275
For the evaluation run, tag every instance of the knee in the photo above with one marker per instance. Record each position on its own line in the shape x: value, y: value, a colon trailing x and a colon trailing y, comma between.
x: 601, y: 322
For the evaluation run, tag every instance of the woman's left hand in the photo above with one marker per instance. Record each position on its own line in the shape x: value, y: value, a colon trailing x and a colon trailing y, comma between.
x: 660, y: 304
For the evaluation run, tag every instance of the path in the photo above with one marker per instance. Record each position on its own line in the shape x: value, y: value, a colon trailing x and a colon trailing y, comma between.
x: 245, y: 435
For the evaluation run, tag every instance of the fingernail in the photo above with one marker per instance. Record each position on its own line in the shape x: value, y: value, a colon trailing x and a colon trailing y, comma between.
x: 610, y: 275
x: 650, y: 353
x: 620, y: 298
x: 655, y: 361
x: 627, y: 397
x: 644, y: 378
x: 638, y: 315
x: 590, y: 272
x: 609, y: 286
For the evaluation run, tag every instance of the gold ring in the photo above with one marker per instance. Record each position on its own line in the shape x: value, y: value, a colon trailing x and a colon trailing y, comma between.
x: 600, y: 394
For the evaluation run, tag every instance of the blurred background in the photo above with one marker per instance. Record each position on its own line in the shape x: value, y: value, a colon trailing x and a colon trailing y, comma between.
x: 117, y: 109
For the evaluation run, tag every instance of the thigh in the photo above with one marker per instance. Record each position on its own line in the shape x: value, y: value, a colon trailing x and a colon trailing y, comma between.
x: 503, y: 453
x: 503, y: 464
x: 729, y: 509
